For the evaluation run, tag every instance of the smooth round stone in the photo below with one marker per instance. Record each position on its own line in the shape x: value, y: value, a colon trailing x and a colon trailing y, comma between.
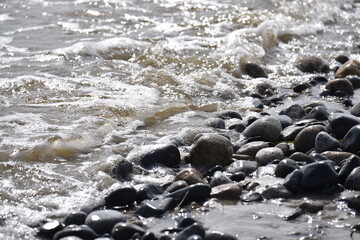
x: 195, y: 237
x: 292, y: 181
x: 319, y: 113
x: 351, y: 67
x: 325, y: 142
x: 294, y: 111
x: 262, y: 87
x: 341, y: 123
x: 124, y: 231
x: 278, y: 191
x: 218, y: 236
x: 254, y: 70
x: 190, y: 176
x: 355, y: 81
x: 102, y: 221
x: 147, y: 191
x: 123, y: 169
x: 148, y: 236
x: 228, y: 114
x: 211, y: 171
x: 226, y: 191
x: 219, y: 178
x: 347, y: 166
x: 49, y: 229
x: 353, y: 202
x: 252, y: 148
x: 340, y: 85
x: 244, y: 166
x: 335, y: 156
x: 267, y: 155
x: 186, y: 222
x: 289, y: 133
x: 302, y: 87
x: 300, y: 157
x: 317, y: 175
x: 353, y: 180
x: 341, y: 59
x: 312, y: 206
x: 351, y: 140
x: 286, y: 148
x: 251, y: 197
x: 305, y: 140
x: 284, y: 120
x: 192, y: 193
x: 152, y: 155
x: 77, y: 218
x: 311, y: 64
x: 355, y: 110
x: 238, y: 176
x: 194, y: 229
x: 267, y: 128
x: 211, y: 150
x: 285, y: 167
x: 215, y: 123
x: 238, y: 127
x: 176, y: 186
x: 155, y: 207
x: 123, y: 196
x: 82, y: 232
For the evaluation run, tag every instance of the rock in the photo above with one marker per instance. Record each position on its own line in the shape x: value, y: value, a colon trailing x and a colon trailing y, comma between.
x: 294, y: 111
x: 186, y: 222
x: 277, y: 191
x: 82, y: 231
x: 285, y: 167
x: 305, y: 140
x: 300, y: 157
x: 267, y: 155
x: 219, y: 178
x: 190, y: 176
x: 254, y: 70
x: 294, y: 215
x: 228, y: 114
x: 284, y: 120
x: 325, y: 142
x: 341, y: 84
x: 242, y: 157
x: 251, y: 197
x: 353, y: 202
x: 355, y: 110
x: 341, y: 59
x: 263, y: 87
x: 312, y: 64
x: 218, y: 236
x: 336, y: 156
x: 351, y: 67
x: 286, y: 148
x: 252, y: 148
x: 317, y: 175
x: 148, y: 236
x: 238, y: 176
x: 227, y: 191
x: 211, y: 171
x: 268, y: 128
x: 317, y: 157
x: 347, y: 166
x: 176, y: 186
x: 192, y: 193
x: 239, y: 127
x: 353, y: 180
x: 155, y: 207
x: 152, y: 155
x: 123, y: 196
x: 76, y: 218
x: 293, y: 180
x: 124, y: 231
x: 312, y: 206
x: 355, y: 81
x: 49, y: 229
x: 244, y: 166
x: 351, y: 140
x: 215, y: 123
x: 102, y: 221
x: 319, y: 79
x: 123, y: 169
x: 319, y: 113
x: 289, y: 133
x: 211, y: 150
x: 147, y: 191
x: 301, y: 87
x: 77, y: 238
x: 194, y: 229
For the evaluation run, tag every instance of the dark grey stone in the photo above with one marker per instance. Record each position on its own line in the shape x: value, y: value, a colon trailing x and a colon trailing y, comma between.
x: 123, y: 169
x: 147, y: 191
x: 176, y: 186
x: 289, y: 133
x: 355, y: 110
x: 267, y: 128
x: 285, y: 167
x: 305, y: 140
x: 186, y: 222
x: 341, y: 123
x: 212, y: 235
x: 123, y: 196
x: 252, y: 148
x: 302, y: 87
x: 278, y: 191
x: 77, y: 218
x: 351, y: 140
x: 193, y: 193
x: 355, y: 81
x: 293, y: 180
x: 194, y: 229
x: 155, y: 207
x: 102, y: 221
x: 319, y: 113
x: 124, y: 231
x: 219, y: 178
x: 49, y: 229
x: 284, y: 120
x: 347, y: 166
x: 244, y: 166
x: 294, y: 111
x: 267, y: 155
x: 215, y: 123
x: 312, y: 64
x: 82, y: 231
x: 228, y: 114
x: 340, y: 85
x: 325, y: 142
x: 254, y: 70
x: 251, y: 197
x: 317, y: 175
x: 353, y: 180
x: 238, y: 176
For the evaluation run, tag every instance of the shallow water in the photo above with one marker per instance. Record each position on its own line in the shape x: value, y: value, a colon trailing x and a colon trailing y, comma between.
x: 82, y: 81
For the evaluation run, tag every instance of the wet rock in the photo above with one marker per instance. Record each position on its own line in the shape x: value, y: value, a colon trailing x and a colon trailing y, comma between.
x: 124, y: 231
x: 190, y: 176
x: 123, y: 169
x: 193, y: 193
x: 194, y: 229
x: 285, y: 147
x: 347, y: 166
x: 342, y: 85
x: 251, y: 197
x: 211, y: 150
x: 252, y: 148
x: 267, y: 155
x: 219, y: 178
x: 341, y: 59
x: 336, y: 156
x: 123, y: 196
x: 76, y: 218
x: 49, y: 229
x: 254, y: 71
x: 353, y: 180
x: 301, y: 87
x: 218, y: 236
x: 244, y: 166
x: 263, y: 87
x: 289, y: 133
x: 319, y: 113
x: 186, y: 222
x: 82, y: 231
x: 294, y: 111
x: 268, y: 128
x: 325, y: 142
x: 226, y: 191
x: 77, y: 238
x: 242, y: 157
x: 305, y: 140
x: 148, y: 236
x: 312, y: 64
x: 300, y: 157
x: 152, y: 155
x: 317, y: 175
x: 351, y: 67
x: 317, y: 157
x: 355, y: 81
x: 284, y: 120
x: 353, y: 202
x: 238, y: 176
x: 228, y: 114
x: 176, y: 186
x: 155, y: 207
x: 355, y: 110
x: 319, y: 79
x: 239, y: 127
x: 147, y: 191
x: 285, y: 167
x: 293, y: 180
x: 195, y: 237
x: 312, y: 206
x: 215, y: 123
x: 211, y: 171
x: 102, y: 221
x: 351, y: 140
x: 294, y: 215
x: 278, y: 191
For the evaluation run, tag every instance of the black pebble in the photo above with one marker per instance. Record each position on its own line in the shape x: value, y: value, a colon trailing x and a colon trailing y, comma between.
x: 76, y: 218
x: 49, y: 229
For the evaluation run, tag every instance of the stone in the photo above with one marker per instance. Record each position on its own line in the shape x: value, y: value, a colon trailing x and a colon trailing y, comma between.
x: 186, y: 222
x: 301, y: 87
x: 102, y: 221
x: 219, y: 178
x: 228, y: 114
x: 215, y: 123
x: 292, y: 181
x: 319, y: 113
x: 229, y: 191
x: 194, y: 229
x: 252, y: 148
x: 300, y: 157
x: 289, y: 133
x: 251, y: 197
x: 355, y: 81
x: 77, y: 238
x: 238, y: 176
x: 148, y: 236
x: 294, y: 111
x: 263, y: 87
x: 285, y: 167
x: 254, y: 70
x: 353, y: 202
x: 124, y: 231
x: 312, y: 64
x: 152, y: 155
x: 77, y: 218
x: 123, y: 169
x: 325, y: 142
x: 242, y: 157
x: 351, y: 67
x: 347, y: 166
x: 284, y: 120
x: 267, y: 128
x: 341, y: 59
x: 317, y: 175
x: 82, y: 231
x: 176, y: 186
x: 147, y: 191
x: 353, y: 180
x: 336, y: 156
x: 319, y: 79
x: 267, y: 155
x: 213, y: 235
x: 311, y: 206
x: 355, y: 110
x: 123, y: 196
x: 211, y: 150
x: 278, y: 191
x: 317, y: 157
x: 155, y: 207
x: 190, y: 176
x: 305, y: 140
x: 49, y: 229
x: 294, y: 214
x: 192, y: 193
x: 341, y: 84
x: 211, y: 171
x: 238, y: 127
x: 286, y: 148
x: 351, y: 140
x: 244, y: 166
x: 195, y: 237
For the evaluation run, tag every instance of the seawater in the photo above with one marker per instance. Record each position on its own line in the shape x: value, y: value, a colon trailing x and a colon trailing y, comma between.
x: 84, y: 82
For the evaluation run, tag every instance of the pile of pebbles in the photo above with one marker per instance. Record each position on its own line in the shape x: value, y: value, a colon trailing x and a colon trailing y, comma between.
x: 313, y: 149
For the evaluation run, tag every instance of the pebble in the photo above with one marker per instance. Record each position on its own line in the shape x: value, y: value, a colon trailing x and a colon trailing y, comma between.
x: 325, y: 142
x: 254, y: 70
x: 123, y: 196
x: 340, y: 85
x: 302, y: 87
x: 284, y: 120
x: 351, y: 67
x: 228, y: 114
x: 289, y: 133
x: 286, y: 148
x: 353, y: 202
x: 269, y: 154
x: 238, y: 176
x: 355, y: 110
x: 351, y: 140
x: 190, y: 176
x: 176, y: 186
x: 294, y: 111
x: 312, y: 64
x: 192, y: 193
x: 278, y: 191
x: 49, y: 229
x: 102, y: 221
x: 319, y: 113
x: 82, y: 231
x: 268, y: 128
x: 77, y: 218
x: 355, y: 81
x: 211, y: 150
x: 312, y: 206
x: 194, y: 229
x: 212, y: 235
x: 244, y: 166
x: 341, y: 59
x: 305, y: 140
x: 285, y: 167
x: 155, y: 207
x: 124, y: 231
x: 219, y: 178
x: 292, y: 181
x: 252, y: 148
x: 251, y: 197
x: 229, y: 191
x: 186, y: 222
x: 317, y: 175
x: 147, y: 191
x: 263, y: 87
x: 215, y: 123
x: 123, y: 169
x: 336, y: 156
x: 353, y: 180
x: 300, y: 157
x: 347, y: 166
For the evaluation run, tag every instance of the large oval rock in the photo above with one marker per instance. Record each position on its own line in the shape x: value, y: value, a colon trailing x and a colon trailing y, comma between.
x: 267, y: 128
x: 155, y: 207
x: 102, y: 221
x: 317, y: 175
x: 351, y: 140
x: 227, y: 191
x: 267, y: 155
x: 123, y: 196
x: 342, y: 85
x: 312, y: 64
x: 341, y: 123
x: 353, y: 180
x: 294, y: 111
x: 152, y: 155
x: 325, y: 142
x: 351, y: 67
x: 211, y: 150
x: 82, y: 231
x: 305, y: 140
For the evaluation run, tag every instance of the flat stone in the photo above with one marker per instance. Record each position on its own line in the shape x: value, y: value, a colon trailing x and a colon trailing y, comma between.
x: 227, y: 191
x: 267, y: 128
x: 312, y: 64
x: 124, y: 231
x: 76, y: 218
x: 244, y: 166
x: 192, y: 193
x: 147, y: 191
x: 82, y: 231
x: 347, y: 166
x: 351, y: 67
x: 351, y: 140
x: 336, y: 156
x: 155, y: 207
x: 325, y: 142
x: 301, y: 87
x: 278, y: 191
x: 190, y: 176
x: 353, y: 180
x: 305, y: 140
x: 102, y: 221
x: 123, y: 196
x: 294, y: 111
x: 252, y: 148
x: 194, y: 229
x: 342, y: 85
x: 219, y: 178
x: 212, y: 235
x: 317, y: 175
x: 285, y: 167
x: 176, y: 186
x: 267, y: 155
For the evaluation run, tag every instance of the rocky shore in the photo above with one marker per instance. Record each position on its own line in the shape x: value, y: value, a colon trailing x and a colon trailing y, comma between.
x: 312, y: 149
